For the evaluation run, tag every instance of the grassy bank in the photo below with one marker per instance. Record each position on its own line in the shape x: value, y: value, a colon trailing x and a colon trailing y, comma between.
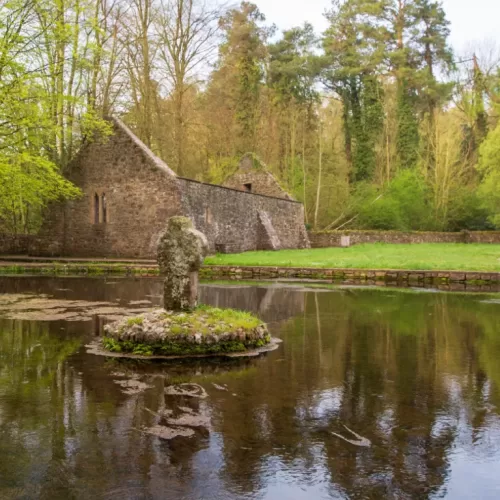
x: 433, y: 256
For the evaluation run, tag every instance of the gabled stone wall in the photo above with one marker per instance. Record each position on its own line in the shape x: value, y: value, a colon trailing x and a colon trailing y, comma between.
x: 140, y: 192
x: 230, y: 218
x: 129, y: 194
x: 254, y: 174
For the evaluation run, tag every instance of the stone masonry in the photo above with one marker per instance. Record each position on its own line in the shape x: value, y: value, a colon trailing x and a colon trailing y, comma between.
x: 129, y: 194
x: 253, y: 176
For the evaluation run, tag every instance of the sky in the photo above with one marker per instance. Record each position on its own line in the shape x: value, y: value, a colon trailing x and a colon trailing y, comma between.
x: 472, y: 21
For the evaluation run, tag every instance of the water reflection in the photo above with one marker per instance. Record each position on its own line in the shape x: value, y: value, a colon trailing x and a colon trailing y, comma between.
x: 416, y: 374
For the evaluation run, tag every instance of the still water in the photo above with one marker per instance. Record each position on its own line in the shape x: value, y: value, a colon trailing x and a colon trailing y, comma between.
x: 414, y: 375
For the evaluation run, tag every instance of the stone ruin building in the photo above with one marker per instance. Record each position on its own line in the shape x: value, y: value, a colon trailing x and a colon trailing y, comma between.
x: 129, y: 194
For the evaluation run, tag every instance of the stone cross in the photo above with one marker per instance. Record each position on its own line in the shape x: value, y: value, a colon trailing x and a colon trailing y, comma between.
x: 181, y: 251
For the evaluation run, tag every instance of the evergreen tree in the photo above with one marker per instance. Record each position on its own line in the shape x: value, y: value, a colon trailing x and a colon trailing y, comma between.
x: 354, y: 54
x: 242, y: 57
x: 407, y: 140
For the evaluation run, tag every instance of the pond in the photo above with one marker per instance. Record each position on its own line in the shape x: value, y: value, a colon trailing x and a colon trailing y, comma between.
x: 374, y: 393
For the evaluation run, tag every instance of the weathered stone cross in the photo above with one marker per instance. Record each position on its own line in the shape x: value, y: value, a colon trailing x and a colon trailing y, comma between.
x: 181, y: 251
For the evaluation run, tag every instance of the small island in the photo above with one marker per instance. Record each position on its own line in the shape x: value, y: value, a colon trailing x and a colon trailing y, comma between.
x: 204, y: 330
x: 183, y: 328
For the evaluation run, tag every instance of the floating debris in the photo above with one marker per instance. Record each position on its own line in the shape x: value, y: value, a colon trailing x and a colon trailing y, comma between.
x: 168, y: 433
x: 189, y: 390
x: 360, y: 441
x: 43, y: 308
x: 163, y: 413
x: 220, y: 387
x: 189, y: 420
x: 132, y: 387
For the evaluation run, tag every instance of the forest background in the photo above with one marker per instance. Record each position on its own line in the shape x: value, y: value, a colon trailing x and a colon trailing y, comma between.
x: 373, y: 124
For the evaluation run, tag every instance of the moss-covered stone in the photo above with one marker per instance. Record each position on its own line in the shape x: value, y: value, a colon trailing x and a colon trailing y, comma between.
x: 205, y: 330
x: 181, y: 251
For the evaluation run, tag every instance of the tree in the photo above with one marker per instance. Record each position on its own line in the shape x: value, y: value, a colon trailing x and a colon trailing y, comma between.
x: 187, y: 33
x: 292, y: 73
x: 28, y: 177
x: 489, y: 167
x: 354, y: 54
x: 241, y: 65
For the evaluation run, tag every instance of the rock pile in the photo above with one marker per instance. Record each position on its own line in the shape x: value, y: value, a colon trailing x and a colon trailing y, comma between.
x: 203, y: 331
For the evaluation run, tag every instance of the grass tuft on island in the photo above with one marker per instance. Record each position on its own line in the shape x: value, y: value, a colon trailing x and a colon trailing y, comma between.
x: 422, y: 257
x: 205, y: 330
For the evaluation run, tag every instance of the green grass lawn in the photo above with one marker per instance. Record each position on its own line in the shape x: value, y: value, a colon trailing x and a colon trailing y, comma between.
x: 433, y: 256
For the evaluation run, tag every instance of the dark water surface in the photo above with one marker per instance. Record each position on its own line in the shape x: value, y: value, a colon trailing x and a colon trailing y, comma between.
x: 416, y: 375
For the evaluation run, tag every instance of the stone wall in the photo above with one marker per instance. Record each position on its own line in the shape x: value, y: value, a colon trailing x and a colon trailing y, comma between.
x: 12, y: 244
x: 326, y: 239
x: 447, y: 280
x: 230, y: 218
x: 253, y: 175
x: 129, y: 194
x: 138, y: 190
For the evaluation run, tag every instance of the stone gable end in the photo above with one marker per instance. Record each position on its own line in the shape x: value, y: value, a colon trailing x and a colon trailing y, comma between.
x: 129, y: 194
x: 254, y: 176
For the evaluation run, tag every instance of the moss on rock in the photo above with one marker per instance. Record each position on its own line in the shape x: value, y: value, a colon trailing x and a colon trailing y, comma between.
x: 205, y: 330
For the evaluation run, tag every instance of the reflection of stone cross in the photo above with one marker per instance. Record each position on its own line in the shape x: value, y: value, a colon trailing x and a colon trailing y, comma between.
x: 181, y: 251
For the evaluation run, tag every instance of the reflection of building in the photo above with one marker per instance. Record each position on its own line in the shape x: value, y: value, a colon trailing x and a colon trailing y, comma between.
x: 416, y: 374
x: 129, y: 193
x: 270, y: 303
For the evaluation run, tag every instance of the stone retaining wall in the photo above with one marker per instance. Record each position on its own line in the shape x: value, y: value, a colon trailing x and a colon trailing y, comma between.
x: 452, y: 280
x: 326, y: 239
x: 445, y: 280
x: 11, y: 244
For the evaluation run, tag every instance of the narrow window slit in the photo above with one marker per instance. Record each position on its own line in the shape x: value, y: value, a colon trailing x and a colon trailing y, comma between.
x: 104, y: 208
x: 96, y: 209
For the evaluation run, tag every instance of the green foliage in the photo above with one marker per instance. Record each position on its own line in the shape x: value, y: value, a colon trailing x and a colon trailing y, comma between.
x: 241, y: 62
x: 171, y: 348
x: 489, y: 167
x: 404, y: 205
x: 213, y: 316
x: 135, y: 321
x: 27, y: 184
x: 293, y: 66
x: 466, y: 211
x: 407, y: 140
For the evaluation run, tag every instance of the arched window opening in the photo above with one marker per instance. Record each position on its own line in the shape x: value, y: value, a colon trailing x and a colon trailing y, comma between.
x: 104, y: 208
x: 96, y: 209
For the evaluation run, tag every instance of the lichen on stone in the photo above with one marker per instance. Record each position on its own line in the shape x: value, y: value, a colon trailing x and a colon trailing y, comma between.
x: 181, y: 251
x: 205, y: 330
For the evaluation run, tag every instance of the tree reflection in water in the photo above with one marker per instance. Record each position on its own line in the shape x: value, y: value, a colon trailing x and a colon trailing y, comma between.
x: 416, y: 374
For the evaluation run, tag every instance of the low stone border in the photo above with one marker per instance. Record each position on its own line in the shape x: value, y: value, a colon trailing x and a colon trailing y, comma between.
x: 454, y: 280
x: 447, y: 280
x: 78, y: 269
x: 328, y: 239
